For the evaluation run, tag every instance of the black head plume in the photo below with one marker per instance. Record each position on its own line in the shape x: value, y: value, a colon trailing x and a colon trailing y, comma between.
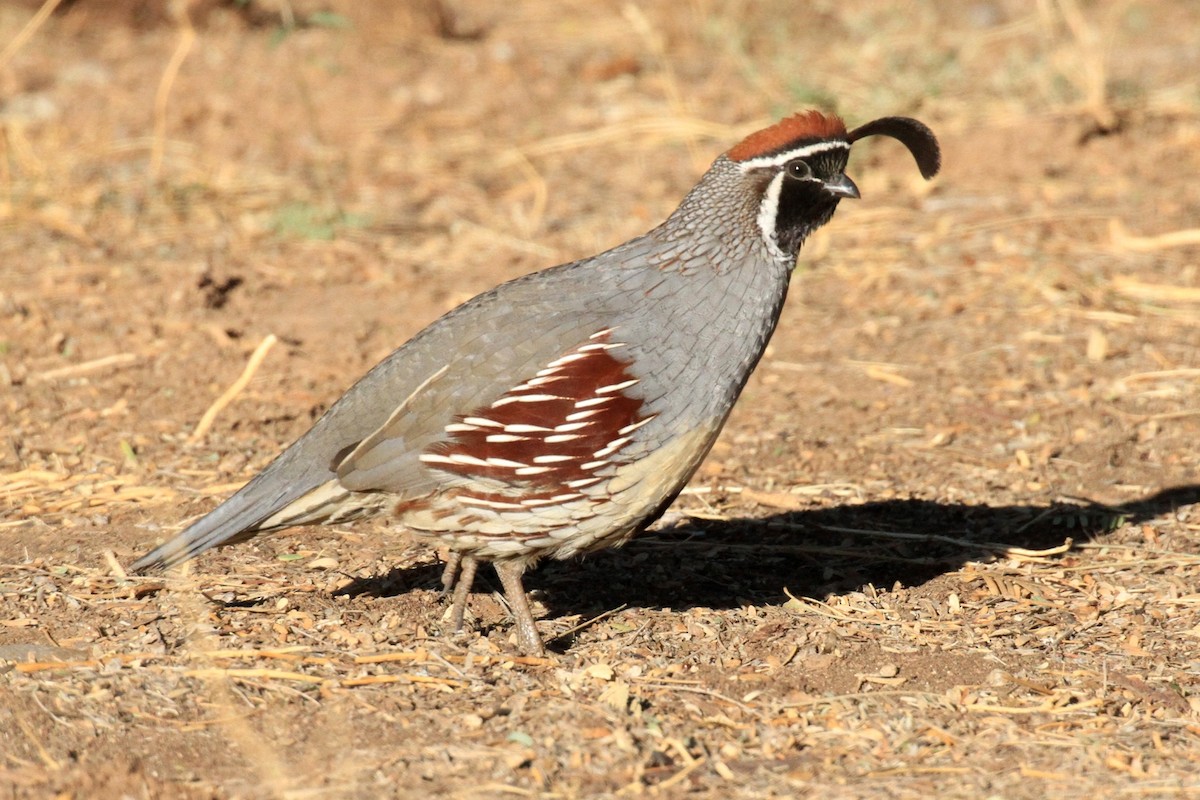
x: 911, y: 133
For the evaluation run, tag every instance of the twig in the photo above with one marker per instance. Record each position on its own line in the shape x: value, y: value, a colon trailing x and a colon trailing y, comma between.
x: 187, y: 36
x: 854, y: 696
x: 1186, y: 372
x: 675, y: 687
x: 275, y: 674
x: 1145, y: 244
x: 879, y: 374
x: 295, y: 653
x: 28, y: 31
x: 370, y: 680
x: 678, y: 777
x: 541, y: 194
x: 1135, y: 417
x: 588, y: 623
x: 84, y: 367
x: 655, y: 42
x: 43, y: 753
x: 115, y: 566
x: 643, y: 131
x: 1092, y: 78
x: 885, y: 773
x: 1156, y: 292
x: 424, y: 655
x: 806, y: 489
x: 382, y: 658
x: 999, y: 547
x: 256, y: 359
x: 1048, y: 707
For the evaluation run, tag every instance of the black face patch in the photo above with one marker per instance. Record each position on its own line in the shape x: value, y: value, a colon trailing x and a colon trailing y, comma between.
x: 804, y: 206
x: 804, y: 203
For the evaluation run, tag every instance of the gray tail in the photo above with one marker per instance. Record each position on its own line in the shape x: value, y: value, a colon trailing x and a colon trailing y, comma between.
x: 259, y: 506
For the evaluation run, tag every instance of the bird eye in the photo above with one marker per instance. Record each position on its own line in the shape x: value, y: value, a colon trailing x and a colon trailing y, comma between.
x: 799, y: 169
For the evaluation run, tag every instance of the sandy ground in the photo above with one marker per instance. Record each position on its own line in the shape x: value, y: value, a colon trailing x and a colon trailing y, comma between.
x: 946, y: 546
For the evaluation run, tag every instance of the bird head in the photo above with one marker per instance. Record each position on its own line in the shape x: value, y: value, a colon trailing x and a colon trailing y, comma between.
x: 797, y: 170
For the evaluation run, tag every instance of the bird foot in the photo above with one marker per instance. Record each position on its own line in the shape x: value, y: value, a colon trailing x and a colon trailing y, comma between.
x: 462, y: 589
x: 510, y: 573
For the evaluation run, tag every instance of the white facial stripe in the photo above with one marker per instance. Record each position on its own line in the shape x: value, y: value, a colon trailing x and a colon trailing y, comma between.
x: 800, y: 152
x: 766, y: 216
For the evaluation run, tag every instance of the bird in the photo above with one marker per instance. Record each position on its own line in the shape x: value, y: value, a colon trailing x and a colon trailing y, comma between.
x: 563, y: 411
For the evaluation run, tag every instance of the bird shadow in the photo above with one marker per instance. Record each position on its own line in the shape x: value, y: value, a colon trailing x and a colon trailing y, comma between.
x: 730, y: 563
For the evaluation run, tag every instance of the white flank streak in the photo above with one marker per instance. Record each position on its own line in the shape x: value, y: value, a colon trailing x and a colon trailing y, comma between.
x: 800, y: 152
x: 631, y: 428
x: 611, y: 447
x: 566, y: 427
x: 562, y: 437
x: 578, y: 415
x: 526, y: 398
x: 616, y: 387
x: 592, y: 464
x: 505, y: 438
x: 541, y: 380
x: 520, y: 427
x: 595, y: 401
x: 587, y: 348
x: 568, y: 359
x: 504, y: 462
x: 533, y: 470
x: 598, y: 334
x: 479, y: 501
x: 483, y: 423
x: 767, y: 213
x: 332, y: 491
x: 460, y: 427
x: 551, y: 459
x: 433, y: 458
x: 579, y: 484
x: 463, y: 458
x: 550, y: 501
x: 542, y: 373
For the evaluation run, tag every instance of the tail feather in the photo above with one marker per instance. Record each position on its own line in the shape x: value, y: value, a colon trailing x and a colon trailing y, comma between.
x: 301, y: 487
x: 237, y: 519
x: 328, y: 504
x: 251, y: 511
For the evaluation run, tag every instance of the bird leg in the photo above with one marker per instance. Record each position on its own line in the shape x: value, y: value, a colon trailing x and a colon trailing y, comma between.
x: 510, y: 573
x: 450, y: 573
x: 462, y: 587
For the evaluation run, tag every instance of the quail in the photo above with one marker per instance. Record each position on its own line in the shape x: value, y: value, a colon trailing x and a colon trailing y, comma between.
x: 563, y: 411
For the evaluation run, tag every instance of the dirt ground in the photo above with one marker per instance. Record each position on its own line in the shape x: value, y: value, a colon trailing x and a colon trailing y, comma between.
x: 946, y: 546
